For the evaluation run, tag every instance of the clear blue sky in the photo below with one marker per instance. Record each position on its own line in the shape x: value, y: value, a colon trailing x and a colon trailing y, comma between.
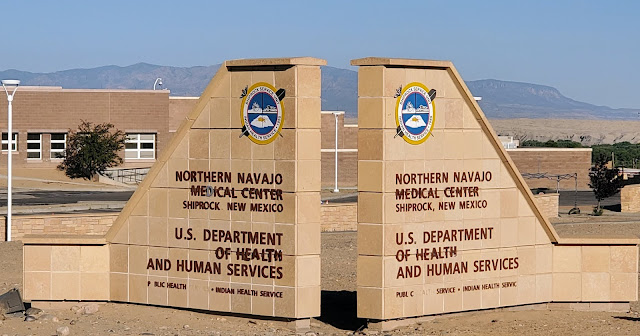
x: 590, y: 50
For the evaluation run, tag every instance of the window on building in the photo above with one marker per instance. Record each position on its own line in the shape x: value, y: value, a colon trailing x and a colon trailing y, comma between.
x: 58, y: 145
x: 34, y: 146
x: 5, y: 142
x: 140, y: 146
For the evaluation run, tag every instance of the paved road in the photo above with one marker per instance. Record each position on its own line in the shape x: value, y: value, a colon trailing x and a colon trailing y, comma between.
x: 567, y: 198
x: 584, y: 198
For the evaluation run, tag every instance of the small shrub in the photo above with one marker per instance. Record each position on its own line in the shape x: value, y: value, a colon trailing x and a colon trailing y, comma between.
x: 91, y: 150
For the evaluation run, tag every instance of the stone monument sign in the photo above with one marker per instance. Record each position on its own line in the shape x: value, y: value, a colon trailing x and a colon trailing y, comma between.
x: 445, y: 221
x: 228, y: 218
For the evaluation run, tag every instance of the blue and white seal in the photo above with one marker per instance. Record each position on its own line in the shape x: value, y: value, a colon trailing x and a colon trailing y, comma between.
x: 415, y: 113
x: 262, y: 113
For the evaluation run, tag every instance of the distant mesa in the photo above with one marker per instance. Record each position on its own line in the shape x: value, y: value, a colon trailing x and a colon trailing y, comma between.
x: 500, y: 99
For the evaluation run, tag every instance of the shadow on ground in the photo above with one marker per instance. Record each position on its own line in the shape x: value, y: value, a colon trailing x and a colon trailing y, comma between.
x: 628, y: 318
x: 339, y: 309
x: 613, y: 207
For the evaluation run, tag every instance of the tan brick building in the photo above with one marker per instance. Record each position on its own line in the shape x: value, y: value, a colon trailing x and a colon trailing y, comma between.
x: 527, y: 160
x: 554, y: 161
x: 42, y: 117
x: 347, y: 151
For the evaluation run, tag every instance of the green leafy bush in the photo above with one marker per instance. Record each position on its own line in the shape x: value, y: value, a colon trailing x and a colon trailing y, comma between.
x: 91, y: 150
x: 604, y: 181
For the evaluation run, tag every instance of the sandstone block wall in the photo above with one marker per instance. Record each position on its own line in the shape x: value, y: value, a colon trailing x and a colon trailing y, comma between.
x: 548, y: 204
x: 64, y: 224
x: 509, y: 254
x: 335, y: 217
x: 594, y: 273
x: 339, y: 217
x: 630, y: 198
x: 67, y: 272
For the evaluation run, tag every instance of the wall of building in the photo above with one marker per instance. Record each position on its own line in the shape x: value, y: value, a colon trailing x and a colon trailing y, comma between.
x: 347, y: 169
x: 347, y: 152
x: 554, y: 161
x: 49, y: 110
x: 527, y: 160
x: 179, y: 108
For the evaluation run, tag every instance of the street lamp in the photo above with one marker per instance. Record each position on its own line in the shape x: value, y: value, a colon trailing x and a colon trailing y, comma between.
x: 157, y: 82
x: 335, y: 187
x: 9, y: 83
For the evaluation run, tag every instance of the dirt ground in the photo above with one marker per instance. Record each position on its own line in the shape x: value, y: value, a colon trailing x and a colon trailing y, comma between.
x: 338, y: 317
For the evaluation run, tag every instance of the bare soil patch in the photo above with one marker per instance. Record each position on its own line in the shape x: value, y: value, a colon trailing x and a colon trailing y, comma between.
x: 588, y: 132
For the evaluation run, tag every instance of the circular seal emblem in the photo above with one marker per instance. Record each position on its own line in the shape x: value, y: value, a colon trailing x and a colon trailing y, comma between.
x: 262, y: 113
x: 415, y: 113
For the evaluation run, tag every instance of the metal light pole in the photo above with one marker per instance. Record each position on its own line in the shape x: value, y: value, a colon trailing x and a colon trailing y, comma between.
x: 335, y: 188
x: 157, y: 82
x: 10, y: 83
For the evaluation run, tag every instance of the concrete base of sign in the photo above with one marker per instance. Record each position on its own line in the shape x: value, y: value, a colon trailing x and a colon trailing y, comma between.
x: 62, y: 305
x: 614, y: 307
x: 297, y: 325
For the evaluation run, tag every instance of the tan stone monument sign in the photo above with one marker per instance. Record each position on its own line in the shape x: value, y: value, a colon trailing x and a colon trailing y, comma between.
x: 445, y: 221
x: 228, y: 218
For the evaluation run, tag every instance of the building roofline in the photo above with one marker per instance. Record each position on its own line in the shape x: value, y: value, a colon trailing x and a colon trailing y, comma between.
x: 61, y: 89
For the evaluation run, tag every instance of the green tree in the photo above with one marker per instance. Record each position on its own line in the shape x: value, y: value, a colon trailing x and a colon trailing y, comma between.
x: 551, y: 143
x: 91, y: 150
x: 625, y: 153
x: 604, y: 181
